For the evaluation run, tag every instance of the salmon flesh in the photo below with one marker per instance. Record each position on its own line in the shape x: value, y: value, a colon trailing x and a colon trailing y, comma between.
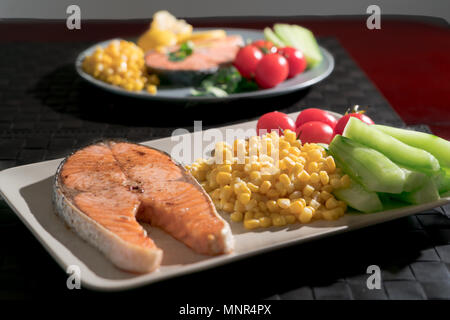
x: 104, y: 190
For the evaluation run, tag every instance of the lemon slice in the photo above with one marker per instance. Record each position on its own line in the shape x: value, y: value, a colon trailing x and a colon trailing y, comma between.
x: 163, y: 20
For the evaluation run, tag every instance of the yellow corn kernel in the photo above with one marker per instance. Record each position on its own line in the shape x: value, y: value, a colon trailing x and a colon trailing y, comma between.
x: 308, y: 190
x: 318, y: 214
x: 248, y: 215
x: 283, y: 203
x: 239, y: 206
x: 284, y: 179
x: 237, y: 216
x: 265, y: 222
x: 278, y: 220
x: 314, y: 204
x: 328, y: 188
x: 241, y: 188
x: 331, y: 165
x: 226, y: 192
x: 252, y: 223
x: 314, y: 179
x: 306, y: 215
x: 315, y: 155
x: 252, y: 187
x: 272, y: 206
x: 331, y: 203
x: 325, y: 195
x: 343, y: 205
x: 304, y: 176
x: 215, y: 194
x: 251, y: 204
x: 332, y: 214
x: 283, y: 144
x: 298, y: 168
x: 335, y: 183
x: 262, y: 206
x: 294, y: 151
x: 223, y: 178
x: 324, y: 178
x: 258, y: 214
x: 228, y: 207
x: 255, y: 176
x: 244, y: 198
x: 296, y: 207
x: 272, y: 193
x: 284, y: 153
x: 345, y: 181
x: 295, y: 195
x: 265, y: 186
x: 290, y: 218
x: 312, y: 167
x: 289, y: 135
x: 224, y: 168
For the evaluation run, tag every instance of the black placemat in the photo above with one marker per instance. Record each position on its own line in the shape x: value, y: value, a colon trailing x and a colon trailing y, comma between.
x: 46, y: 111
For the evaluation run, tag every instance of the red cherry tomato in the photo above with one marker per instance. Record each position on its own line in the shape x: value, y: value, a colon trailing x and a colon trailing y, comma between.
x: 265, y: 46
x: 247, y: 59
x: 296, y: 60
x: 313, y: 114
x: 340, y: 126
x: 274, y: 121
x: 271, y: 70
x: 315, y: 132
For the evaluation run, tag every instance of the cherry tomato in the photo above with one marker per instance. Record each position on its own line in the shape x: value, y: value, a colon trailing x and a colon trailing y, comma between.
x: 274, y: 121
x: 265, y: 46
x: 271, y: 70
x: 313, y: 114
x: 296, y: 60
x: 340, y: 126
x: 247, y: 59
x: 315, y: 132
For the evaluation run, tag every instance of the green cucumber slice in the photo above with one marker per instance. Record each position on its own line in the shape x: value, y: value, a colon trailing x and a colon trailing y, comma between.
x: 359, y: 198
x: 397, y: 151
x: 438, y: 147
x: 367, y: 166
x: 272, y: 37
x: 302, y: 39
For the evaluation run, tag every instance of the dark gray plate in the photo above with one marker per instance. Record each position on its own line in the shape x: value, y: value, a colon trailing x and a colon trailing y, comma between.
x: 183, y: 94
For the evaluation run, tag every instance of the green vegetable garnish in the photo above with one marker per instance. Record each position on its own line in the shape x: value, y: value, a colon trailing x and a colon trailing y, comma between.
x: 186, y: 49
x: 225, y: 81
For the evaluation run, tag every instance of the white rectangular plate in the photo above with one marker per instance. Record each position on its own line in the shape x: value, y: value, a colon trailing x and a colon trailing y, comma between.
x: 27, y: 189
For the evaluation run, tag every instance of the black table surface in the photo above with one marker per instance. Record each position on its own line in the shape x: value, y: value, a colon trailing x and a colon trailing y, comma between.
x: 46, y: 111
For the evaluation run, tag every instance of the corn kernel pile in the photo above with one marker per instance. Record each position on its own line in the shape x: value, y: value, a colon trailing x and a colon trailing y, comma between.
x: 122, y: 64
x: 264, y: 190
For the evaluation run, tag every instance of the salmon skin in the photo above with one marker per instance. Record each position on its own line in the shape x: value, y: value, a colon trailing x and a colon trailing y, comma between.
x: 103, y: 190
x: 206, y: 59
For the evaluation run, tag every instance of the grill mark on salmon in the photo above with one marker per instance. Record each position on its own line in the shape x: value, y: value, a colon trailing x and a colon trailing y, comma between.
x: 103, y: 190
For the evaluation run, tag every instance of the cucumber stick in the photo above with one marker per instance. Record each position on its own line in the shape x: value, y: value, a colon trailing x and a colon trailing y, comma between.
x: 302, y: 39
x: 413, y: 179
x: 427, y: 193
x: 272, y: 37
x: 367, y: 166
x: 397, y: 151
x: 438, y: 147
x: 443, y: 180
x: 359, y: 198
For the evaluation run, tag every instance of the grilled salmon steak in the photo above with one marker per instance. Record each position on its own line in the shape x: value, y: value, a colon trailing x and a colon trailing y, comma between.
x: 103, y: 190
x: 206, y: 58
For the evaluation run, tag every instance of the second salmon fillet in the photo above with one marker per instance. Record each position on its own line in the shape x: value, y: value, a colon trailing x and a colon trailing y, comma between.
x: 103, y: 190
